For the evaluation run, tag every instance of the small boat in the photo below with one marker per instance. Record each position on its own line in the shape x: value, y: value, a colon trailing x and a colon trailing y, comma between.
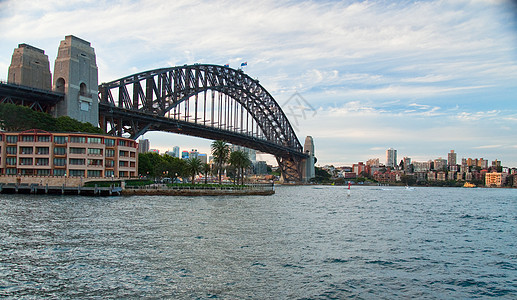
x: 469, y: 185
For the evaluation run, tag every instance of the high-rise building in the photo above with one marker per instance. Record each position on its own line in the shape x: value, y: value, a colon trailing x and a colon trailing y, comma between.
x: 451, y: 158
x: 252, y: 153
x: 260, y: 167
x: 407, y: 164
x: 203, y: 158
x: 440, y: 164
x: 143, y: 146
x: 496, y: 163
x: 391, y: 157
x: 373, y: 162
x: 193, y: 153
x: 176, y: 151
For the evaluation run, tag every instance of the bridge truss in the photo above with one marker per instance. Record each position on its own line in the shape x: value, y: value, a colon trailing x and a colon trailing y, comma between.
x: 207, y: 101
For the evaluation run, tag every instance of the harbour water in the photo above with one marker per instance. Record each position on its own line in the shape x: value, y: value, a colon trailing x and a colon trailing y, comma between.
x: 304, y: 242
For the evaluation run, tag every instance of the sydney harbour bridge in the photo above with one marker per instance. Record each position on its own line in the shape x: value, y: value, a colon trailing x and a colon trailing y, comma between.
x: 202, y: 100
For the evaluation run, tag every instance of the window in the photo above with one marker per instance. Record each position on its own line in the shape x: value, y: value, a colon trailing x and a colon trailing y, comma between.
x: 122, y: 174
x: 43, y: 172
x: 41, y: 161
x: 110, y: 153
x: 59, y: 162
x: 110, y: 163
x: 95, y: 162
x: 1, y: 137
x: 59, y: 151
x: 94, y: 140
x: 60, y: 85
x: 26, y: 161
x: 77, y: 139
x: 10, y: 171
x: 26, y: 150
x: 94, y: 173
x: 109, y: 142
x: 85, y: 106
x: 94, y: 151
x: 42, y: 150
x: 27, y: 171
x: 77, y: 161
x: 11, y: 139
x: 59, y: 172
x: 27, y: 138
x: 122, y: 143
x: 82, y: 89
x: 44, y: 138
x: 76, y: 173
x: 132, y: 154
x: 109, y: 173
x: 122, y: 164
x: 60, y: 139
x: 10, y: 149
x: 10, y: 161
x: 77, y: 150
x: 123, y: 153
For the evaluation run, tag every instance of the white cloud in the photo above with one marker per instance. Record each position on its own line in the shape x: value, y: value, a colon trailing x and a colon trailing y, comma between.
x: 371, y: 66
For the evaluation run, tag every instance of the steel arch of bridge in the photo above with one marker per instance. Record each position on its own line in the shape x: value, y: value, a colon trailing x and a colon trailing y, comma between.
x: 207, y: 101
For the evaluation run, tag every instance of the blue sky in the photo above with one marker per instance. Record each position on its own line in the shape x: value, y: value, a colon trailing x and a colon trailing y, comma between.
x: 423, y: 77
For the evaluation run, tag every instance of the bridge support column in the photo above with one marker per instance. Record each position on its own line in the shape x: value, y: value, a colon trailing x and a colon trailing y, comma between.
x: 75, y: 74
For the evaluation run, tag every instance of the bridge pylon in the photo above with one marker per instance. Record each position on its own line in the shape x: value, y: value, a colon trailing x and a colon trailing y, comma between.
x: 75, y: 75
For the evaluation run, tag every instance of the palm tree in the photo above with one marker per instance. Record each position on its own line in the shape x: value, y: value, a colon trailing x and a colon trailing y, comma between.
x: 206, y: 171
x: 240, y: 161
x: 193, y: 167
x: 220, y: 152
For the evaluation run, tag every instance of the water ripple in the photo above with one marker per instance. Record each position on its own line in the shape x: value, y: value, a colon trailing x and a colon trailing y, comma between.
x: 301, y: 243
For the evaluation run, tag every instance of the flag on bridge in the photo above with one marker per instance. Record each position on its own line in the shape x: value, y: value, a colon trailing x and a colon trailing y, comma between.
x: 244, y: 64
x: 227, y: 65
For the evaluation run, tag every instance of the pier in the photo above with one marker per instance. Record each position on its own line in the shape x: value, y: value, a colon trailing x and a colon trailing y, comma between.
x: 34, y: 188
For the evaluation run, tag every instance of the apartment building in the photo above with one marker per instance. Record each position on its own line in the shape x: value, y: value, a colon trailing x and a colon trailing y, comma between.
x: 40, y: 153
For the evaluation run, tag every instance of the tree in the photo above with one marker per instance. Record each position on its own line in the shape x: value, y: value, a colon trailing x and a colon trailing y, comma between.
x: 193, y: 167
x: 240, y: 161
x: 220, y: 152
x: 19, y: 118
x: 206, y: 171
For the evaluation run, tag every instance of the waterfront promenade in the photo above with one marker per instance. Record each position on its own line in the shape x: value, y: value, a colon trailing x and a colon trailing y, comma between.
x: 115, y: 187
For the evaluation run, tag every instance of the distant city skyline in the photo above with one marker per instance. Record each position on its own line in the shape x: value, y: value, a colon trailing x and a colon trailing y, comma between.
x: 446, y: 156
x: 359, y: 77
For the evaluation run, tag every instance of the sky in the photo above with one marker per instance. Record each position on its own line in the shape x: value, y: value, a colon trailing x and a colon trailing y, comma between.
x: 422, y: 77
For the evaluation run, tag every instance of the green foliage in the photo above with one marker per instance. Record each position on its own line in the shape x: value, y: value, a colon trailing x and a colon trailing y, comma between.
x: 138, y: 182
x: 67, y: 124
x: 240, y: 161
x: 206, y: 170
x: 221, y: 153
x: 154, y: 165
x: 193, y: 167
x: 321, y: 176
x: 20, y: 118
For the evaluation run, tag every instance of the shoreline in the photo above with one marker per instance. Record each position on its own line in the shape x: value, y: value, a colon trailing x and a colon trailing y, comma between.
x: 194, y: 192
